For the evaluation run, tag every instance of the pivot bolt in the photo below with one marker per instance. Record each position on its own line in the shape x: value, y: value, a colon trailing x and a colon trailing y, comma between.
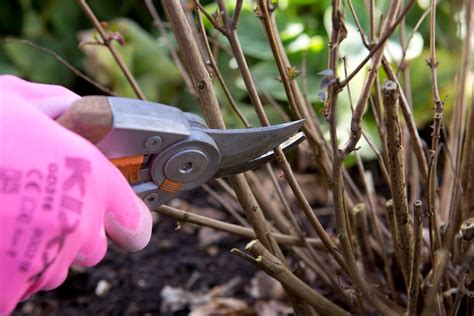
x: 151, y: 198
x: 153, y: 143
x: 186, y: 167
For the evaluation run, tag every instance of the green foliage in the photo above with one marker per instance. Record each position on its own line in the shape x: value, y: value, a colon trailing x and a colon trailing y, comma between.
x: 145, y: 56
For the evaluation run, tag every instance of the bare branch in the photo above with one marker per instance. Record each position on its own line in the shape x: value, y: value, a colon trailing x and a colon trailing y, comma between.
x: 216, y: 70
x: 108, y: 41
x: 274, y: 267
x: 437, y: 123
x: 209, y: 17
x: 397, y: 175
x: 414, y: 285
x: 174, y: 55
x: 381, y: 43
x: 237, y: 11
x: 246, y: 232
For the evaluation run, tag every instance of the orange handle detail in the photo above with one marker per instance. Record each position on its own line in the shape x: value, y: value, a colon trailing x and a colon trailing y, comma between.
x: 129, y: 167
x: 170, y: 186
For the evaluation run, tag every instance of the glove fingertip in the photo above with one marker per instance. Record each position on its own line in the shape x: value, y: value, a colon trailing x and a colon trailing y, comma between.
x: 56, y: 280
x: 131, y: 239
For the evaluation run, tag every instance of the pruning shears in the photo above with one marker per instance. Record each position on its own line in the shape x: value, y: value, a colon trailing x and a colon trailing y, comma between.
x: 163, y: 151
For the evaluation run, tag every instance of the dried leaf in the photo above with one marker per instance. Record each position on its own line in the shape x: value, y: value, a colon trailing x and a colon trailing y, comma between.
x: 175, y: 299
x: 223, y: 307
x: 272, y: 308
x: 263, y: 286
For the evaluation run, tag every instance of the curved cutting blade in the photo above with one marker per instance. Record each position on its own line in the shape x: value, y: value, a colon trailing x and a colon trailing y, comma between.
x: 288, y: 145
x: 239, y: 147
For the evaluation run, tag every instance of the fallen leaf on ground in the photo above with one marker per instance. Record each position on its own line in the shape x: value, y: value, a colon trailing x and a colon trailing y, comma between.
x: 272, y: 308
x: 224, y: 306
x: 263, y: 286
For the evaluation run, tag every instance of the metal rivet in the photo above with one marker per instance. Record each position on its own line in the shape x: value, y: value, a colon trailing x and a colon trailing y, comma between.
x: 151, y: 198
x: 153, y: 143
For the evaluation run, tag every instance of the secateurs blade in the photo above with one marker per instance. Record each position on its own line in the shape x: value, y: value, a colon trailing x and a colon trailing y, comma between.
x: 162, y: 150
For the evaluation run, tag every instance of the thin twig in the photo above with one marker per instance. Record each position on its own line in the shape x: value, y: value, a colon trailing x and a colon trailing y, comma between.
x: 293, y: 227
x: 276, y: 106
x: 377, y: 105
x: 365, y: 41
x: 380, y: 44
x: 61, y: 60
x: 414, y: 284
x: 226, y: 205
x: 410, y: 37
x: 394, y: 231
x: 435, y: 136
x: 364, y: 95
x: 108, y: 41
x: 226, y: 187
x: 316, y: 263
x: 237, y: 11
x: 451, y: 175
x: 246, y: 232
x: 376, y: 224
x: 372, y: 20
x: 379, y: 157
x: 209, y: 17
x: 270, y: 207
x: 216, y: 70
x: 432, y: 297
x: 174, y: 55
x: 274, y: 267
x: 294, y: 95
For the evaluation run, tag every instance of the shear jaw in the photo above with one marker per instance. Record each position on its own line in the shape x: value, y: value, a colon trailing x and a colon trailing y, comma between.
x: 180, y: 152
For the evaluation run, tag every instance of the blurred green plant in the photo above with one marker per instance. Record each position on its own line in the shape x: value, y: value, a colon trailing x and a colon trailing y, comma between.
x: 145, y: 56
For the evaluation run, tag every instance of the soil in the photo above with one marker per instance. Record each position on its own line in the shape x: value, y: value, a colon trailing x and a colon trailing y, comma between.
x: 173, y: 257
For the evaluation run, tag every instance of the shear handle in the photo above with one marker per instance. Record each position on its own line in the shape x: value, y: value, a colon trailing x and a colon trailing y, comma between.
x: 92, y: 118
x: 89, y: 117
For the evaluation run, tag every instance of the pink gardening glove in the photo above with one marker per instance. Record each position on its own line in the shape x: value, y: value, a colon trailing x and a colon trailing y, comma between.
x: 59, y: 196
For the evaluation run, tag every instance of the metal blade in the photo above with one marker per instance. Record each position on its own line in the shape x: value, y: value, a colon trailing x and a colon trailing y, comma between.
x: 286, y: 146
x: 240, y: 146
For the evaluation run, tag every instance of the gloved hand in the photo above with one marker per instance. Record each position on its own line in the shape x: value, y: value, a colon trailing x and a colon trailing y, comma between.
x: 59, y: 195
